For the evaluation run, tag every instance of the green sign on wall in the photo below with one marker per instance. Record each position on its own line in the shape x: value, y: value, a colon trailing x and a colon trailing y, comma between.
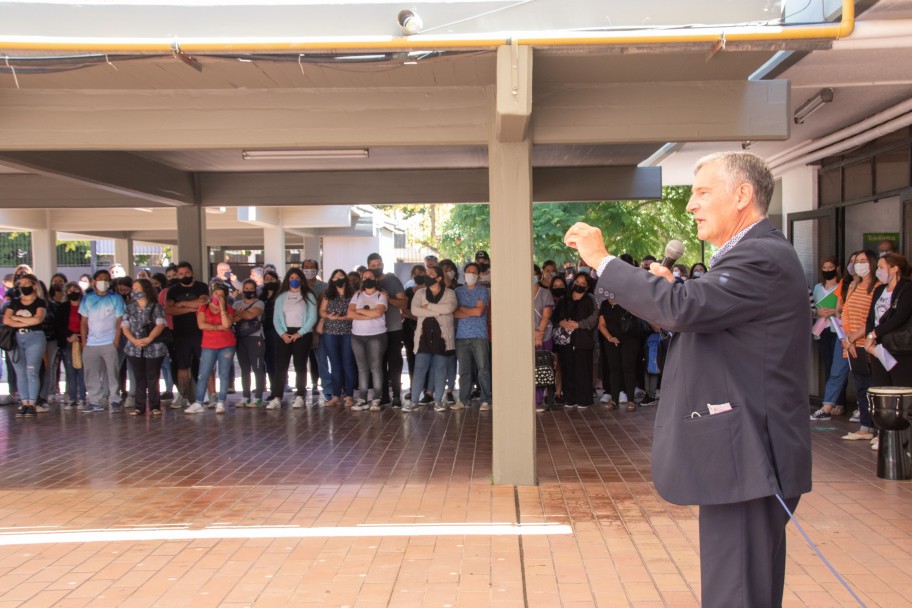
x: 873, y: 239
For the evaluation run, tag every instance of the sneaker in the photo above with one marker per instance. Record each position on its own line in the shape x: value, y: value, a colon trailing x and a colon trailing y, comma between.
x: 375, y: 405
x: 348, y: 402
x: 41, y: 408
x: 426, y: 399
x: 476, y: 394
x: 407, y: 407
x: 606, y: 397
x: 195, y: 408
x: 91, y: 409
x: 820, y: 414
x: 623, y: 397
x: 20, y: 413
x: 298, y: 402
x: 168, y: 396
x: 484, y: 407
x: 569, y: 406
x: 255, y: 403
x: 397, y: 403
x: 274, y: 404
x: 360, y: 405
x: 856, y: 416
x: 450, y: 398
x: 838, y: 410
x: 244, y: 402
x: 647, y: 401
x: 875, y: 443
x: 30, y: 411
x: 541, y: 407
x: 116, y: 407
x: 440, y: 406
x: 220, y: 407
x: 457, y: 406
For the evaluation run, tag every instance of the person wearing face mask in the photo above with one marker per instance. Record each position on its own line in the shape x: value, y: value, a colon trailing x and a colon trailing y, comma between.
x: 484, y: 269
x: 367, y: 310
x: 679, y: 272
x: 549, y: 271
x: 215, y: 320
x: 697, y: 270
x: 294, y: 319
x: 183, y: 301
x: 85, y: 283
x: 337, y: 337
x: 271, y: 284
x: 577, y: 314
x: 435, y: 340
x: 890, y: 312
x: 823, y: 295
x: 225, y: 275
x: 319, y: 357
x: 854, y: 318
x: 472, y: 338
x: 25, y: 314
x: 409, y: 321
x: 251, y: 345
x: 68, y: 324
x: 886, y: 246
x: 142, y: 323
x: 395, y: 293
x: 558, y: 292
x: 101, y: 312
x: 542, y: 310
x: 450, y: 281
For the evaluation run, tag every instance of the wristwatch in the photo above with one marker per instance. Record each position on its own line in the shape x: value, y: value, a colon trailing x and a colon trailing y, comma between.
x: 871, y: 336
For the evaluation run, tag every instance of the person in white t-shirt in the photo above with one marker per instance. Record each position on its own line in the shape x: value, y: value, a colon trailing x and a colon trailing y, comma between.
x: 368, y: 314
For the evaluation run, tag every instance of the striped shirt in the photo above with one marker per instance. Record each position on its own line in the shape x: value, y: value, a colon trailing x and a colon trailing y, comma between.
x: 855, y: 310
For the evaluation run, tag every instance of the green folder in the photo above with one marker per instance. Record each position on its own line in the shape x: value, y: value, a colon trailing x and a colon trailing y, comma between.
x: 827, y: 301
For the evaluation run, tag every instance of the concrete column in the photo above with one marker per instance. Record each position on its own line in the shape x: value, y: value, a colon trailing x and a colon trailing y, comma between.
x: 123, y: 254
x: 510, y: 183
x: 44, y: 253
x: 312, y: 250
x: 274, y: 248
x: 191, y: 238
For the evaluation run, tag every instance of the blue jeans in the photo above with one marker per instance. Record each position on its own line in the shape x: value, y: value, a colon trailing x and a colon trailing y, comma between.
x: 839, y: 375
x: 323, y: 364
x: 862, y: 384
x: 75, y: 380
x: 208, y: 358
x: 342, y: 363
x: 28, y: 356
x: 436, y: 365
x: 468, y: 351
x: 166, y: 373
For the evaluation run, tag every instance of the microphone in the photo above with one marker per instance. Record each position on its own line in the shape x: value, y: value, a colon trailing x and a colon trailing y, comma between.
x: 673, y: 251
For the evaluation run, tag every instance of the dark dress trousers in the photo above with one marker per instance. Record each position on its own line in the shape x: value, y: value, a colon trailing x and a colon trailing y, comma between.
x: 743, y: 331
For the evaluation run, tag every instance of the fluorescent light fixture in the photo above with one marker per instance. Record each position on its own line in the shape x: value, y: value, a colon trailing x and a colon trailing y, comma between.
x: 823, y: 96
x: 305, y: 154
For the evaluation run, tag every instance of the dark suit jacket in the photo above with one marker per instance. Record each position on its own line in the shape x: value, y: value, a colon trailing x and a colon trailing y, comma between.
x: 741, y: 336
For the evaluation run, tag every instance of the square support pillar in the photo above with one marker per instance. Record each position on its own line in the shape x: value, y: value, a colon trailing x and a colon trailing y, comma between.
x: 123, y: 254
x: 44, y: 253
x: 274, y: 248
x: 510, y: 183
x: 191, y: 239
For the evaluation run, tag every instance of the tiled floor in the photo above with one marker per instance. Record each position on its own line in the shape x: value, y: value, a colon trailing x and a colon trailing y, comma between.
x: 258, y: 500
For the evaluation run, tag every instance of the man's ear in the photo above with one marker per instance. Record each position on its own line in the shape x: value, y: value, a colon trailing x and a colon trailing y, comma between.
x: 744, y: 195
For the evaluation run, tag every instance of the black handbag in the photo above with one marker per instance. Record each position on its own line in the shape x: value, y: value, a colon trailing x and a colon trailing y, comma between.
x: 8, y: 340
x: 544, y: 368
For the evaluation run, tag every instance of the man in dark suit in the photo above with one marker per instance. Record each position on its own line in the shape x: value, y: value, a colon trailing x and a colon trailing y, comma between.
x: 743, y: 329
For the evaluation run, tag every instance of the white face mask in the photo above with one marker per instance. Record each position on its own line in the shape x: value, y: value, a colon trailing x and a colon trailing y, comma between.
x: 851, y: 269
x: 883, y: 275
x: 862, y: 269
x: 697, y: 273
x: 450, y: 275
x: 102, y: 286
x: 310, y: 274
x: 84, y: 285
x: 471, y: 278
x: 676, y: 273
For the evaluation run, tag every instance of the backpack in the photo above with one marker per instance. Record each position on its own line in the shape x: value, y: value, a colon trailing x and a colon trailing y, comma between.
x: 432, y: 341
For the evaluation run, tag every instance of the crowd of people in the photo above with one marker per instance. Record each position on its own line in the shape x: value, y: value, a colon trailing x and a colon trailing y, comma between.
x: 118, y: 339
x: 862, y: 315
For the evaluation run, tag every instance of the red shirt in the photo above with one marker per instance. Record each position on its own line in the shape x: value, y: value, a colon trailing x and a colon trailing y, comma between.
x: 74, y: 322
x: 216, y: 338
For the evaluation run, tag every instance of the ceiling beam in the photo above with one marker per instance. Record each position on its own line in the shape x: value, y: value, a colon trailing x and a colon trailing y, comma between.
x: 119, y: 173
x: 662, y: 111
x: 514, y: 93
x: 28, y: 191
x: 422, y: 186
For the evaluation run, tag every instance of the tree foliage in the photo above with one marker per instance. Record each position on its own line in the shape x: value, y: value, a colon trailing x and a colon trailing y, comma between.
x: 635, y: 227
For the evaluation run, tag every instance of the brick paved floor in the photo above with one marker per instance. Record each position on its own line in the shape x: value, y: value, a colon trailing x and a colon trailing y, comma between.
x: 255, y: 473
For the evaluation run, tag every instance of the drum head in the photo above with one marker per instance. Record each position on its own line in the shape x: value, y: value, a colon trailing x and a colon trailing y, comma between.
x: 890, y: 390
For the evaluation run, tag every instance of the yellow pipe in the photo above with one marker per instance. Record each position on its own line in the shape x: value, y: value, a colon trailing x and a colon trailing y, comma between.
x: 833, y: 31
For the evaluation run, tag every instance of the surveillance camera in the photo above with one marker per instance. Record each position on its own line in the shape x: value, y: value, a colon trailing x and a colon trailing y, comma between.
x: 409, y: 21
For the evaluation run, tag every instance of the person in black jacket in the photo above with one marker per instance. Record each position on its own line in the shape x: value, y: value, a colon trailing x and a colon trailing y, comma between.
x: 891, y: 307
x: 66, y: 322
x: 577, y: 314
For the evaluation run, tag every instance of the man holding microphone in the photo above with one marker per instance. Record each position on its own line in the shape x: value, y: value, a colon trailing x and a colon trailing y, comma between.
x: 739, y: 442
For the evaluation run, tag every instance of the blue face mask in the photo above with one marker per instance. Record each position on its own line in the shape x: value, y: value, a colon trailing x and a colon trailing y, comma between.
x: 294, y: 283
x: 137, y: 296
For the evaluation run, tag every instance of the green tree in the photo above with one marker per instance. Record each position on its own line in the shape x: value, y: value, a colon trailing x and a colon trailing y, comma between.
x: 636, y: 227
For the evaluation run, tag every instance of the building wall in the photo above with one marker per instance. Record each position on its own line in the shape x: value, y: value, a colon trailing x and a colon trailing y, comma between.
x: 880, y: 216
x: 347, y: 252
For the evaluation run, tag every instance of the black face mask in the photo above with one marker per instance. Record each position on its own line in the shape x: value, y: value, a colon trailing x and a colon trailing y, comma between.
x: 356, y: 285
x: 829, y: 275
x: 378, y: 272
x: 369, y: 283
x: 249, y: 295
x: 173, y: 282
x: 559, y: 292
x: 27, y: 290
x: 187, y: 281
x: 483, y: 267
x: 74, y: 297
x: 419, y: 279
x: 580, y: 288
x: 340, y: 283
